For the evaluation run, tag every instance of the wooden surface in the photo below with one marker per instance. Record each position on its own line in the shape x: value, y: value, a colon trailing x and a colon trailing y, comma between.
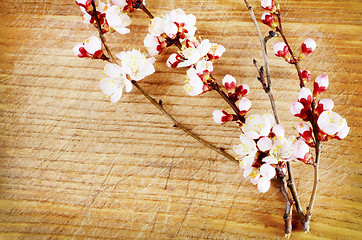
x: 75, y: 166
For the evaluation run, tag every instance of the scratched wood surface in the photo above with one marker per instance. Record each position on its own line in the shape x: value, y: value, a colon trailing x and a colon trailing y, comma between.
x: 75, y: 166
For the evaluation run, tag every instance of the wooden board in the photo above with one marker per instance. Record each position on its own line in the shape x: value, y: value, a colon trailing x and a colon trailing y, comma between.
x: 75, y: 166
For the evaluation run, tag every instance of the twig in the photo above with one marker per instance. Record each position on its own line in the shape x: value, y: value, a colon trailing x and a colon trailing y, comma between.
x: 316, y: 174
x: 100, y: 32
x: 179, y: 125
x: 288, y: 201
x: 295, y: 61
x: 228, y: 100
x: 145, y: 10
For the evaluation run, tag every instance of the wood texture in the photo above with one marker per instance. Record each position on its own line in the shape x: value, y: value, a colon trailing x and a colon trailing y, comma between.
x: 75, y: 166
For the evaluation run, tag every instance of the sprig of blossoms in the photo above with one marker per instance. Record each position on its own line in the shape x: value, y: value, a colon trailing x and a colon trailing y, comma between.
x: 134, y: 67
x: 174, y: 27
x: 330, y: 124
x: 111, y: 18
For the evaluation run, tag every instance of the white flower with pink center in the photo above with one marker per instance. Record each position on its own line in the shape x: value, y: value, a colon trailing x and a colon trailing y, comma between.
x: 221, y: 117
x: 267, y: 172
x: 216, y: 51
x: 244, y: 105
x: 193, y: 54
x: 280, y: 151
x: 185, y: 23
x: 92, y: 47
x: 116, y: 81
x: 229, y: 83
x: 257, y: 126
x: 306, y: 132
x: 136, y: 65
x: 301, y: 151
x: 281, y: 50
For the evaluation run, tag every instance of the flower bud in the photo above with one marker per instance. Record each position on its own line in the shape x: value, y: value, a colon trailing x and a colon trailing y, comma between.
x: 301, y: 151
x: 325, y: 104
x: 305, y: 131
x: 297, y: 109
x: 244, y: 105
x: 305, y: 98
x: 306, y: 76
x: 86, y: 4
x: 221, y: 117
x: 320, y: 84
x: 268, y: 5
x: 242, y: 90
x: 308, y: 46
x: 333, y: 124
x: 281, y: 50
x: 229, y: 83
x: 268, y: 19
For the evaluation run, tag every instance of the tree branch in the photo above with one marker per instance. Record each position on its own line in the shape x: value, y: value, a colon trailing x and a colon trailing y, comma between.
x: 159, y: 105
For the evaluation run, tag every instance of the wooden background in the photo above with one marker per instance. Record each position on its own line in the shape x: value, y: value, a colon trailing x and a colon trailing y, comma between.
x: 75, y: 166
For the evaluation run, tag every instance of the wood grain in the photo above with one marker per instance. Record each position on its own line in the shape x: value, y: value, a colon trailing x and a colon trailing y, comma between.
x: 75, y: 166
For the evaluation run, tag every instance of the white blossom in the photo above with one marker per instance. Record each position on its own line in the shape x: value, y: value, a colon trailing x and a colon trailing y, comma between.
x: 136, y: 65
x: 257, y: 126
x: 117, y: 20
x: 113, y: 86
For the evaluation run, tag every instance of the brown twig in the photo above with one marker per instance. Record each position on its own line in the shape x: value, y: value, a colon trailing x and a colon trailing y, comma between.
x: 279, y: 29
x: 232, y: 104
x: 316, y: 173
x: 288, y: 201
x: 179, y: 125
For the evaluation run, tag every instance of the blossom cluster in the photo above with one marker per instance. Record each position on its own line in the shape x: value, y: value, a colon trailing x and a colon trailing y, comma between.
x: 175, y: 27
x: 134, y: 67
x: 111, y: 17
x: 330, y: 124
x: 264, y: 147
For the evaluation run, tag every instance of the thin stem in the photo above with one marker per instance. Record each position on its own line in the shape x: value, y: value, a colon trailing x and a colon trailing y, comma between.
x: 100, y: 32
x: 295, y: 61
x: 293, y: 190
x: 144, y: 9
x: 288, y: 201
x: 228, y: 100
x: 262, y: 42
x: 179, y: 125
x: 316, y: 174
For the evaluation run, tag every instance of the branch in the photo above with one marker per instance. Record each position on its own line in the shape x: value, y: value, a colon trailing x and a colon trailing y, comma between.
x: 295, y: 61
x: 288, y: 201
x: 228, y: 100
x: 267, y: 89
x: 159, y: 104
x: 316, y: 174
x: 179, y: 125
